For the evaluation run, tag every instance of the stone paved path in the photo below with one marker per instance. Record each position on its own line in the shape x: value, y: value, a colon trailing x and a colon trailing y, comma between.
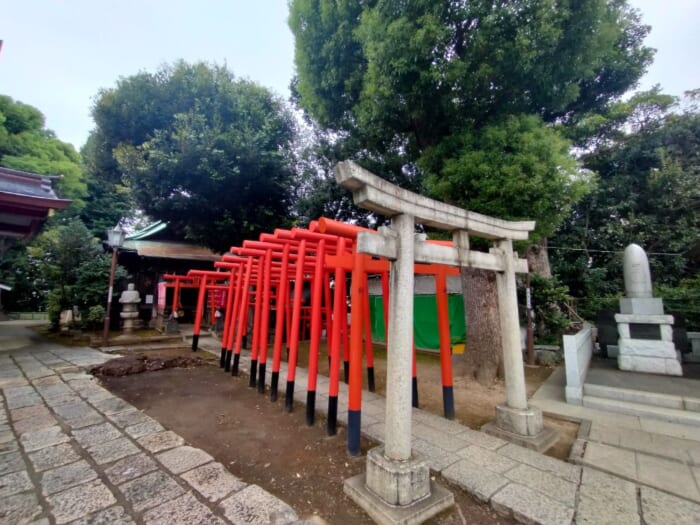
x: 71, y: 452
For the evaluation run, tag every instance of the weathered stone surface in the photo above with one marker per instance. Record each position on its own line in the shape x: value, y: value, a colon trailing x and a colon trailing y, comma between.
x: 554, y: 466
x: 529, y: 506
x: 112, y: 450
x: 449, y: 442
x: 23, y: 413
x: 481, y: 439
x: 611, y: 459
x: 51, y: 457
x: 667, y: 475
x: 659, y: 508
x: 80, y: 501
x: 143, y: 429
x: 129, y: 417
x: 42, y: 438
x: 253, y: 506
x: 160, y: 441
x: 548, y: 484
x: 111, y: 516
x: 130, y: 467
x: 150, y: 490
x: 213, y: 481
x: 78, y: 415
x: 20, y: 508
x: 96, y: 434
x: 185, y: 509
x: 111, y: 405
x: 182, y: 459
x: 476, y: 480
x: 31, y: 424
x: 485, y: 458
x: 11, y: 462
x: 67, y: 476
x: 14, y: 483
x: 397, y: 482
x: 437, y: 458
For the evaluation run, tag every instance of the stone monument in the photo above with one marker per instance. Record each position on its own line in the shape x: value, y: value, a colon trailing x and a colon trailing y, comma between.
x: 645, y: 341
x: 130, y: 300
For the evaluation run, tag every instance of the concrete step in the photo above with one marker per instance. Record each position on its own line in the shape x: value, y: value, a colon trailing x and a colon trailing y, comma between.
x: 671, y: 415
x: 643, y: 397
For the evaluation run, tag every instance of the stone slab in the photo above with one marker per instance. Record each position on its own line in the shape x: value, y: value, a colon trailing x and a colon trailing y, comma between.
x: 487, y: 459
x: 130, y: 467
x: 160, y: 441
x: 127, y: 418
x: 31, y: 424
x: 42, y: 438
x: 112, y: 450
x: 111, y: 405
x: 19, y: 508
x: 184, y: 509
x: 213, y: 481
x: 14, y: 483
x: 646, y: 348
x: 650, y: 365
x: 111, y: 516
x: 644, y: 306
x: 540, y: 442
x: 253, y: 506
x: 548, y: 484
x: 96, y: 434
x: 52, y: 457
x: 80, y: 501
x: 150, y: 490
x: 659, y: 508
x: 439, y: 499
x: 143, y: 429
x: 182, y: 459
x: 529, y: 506
x: 667, y: 475
x: 11, y: 462
x: 23, y: 413
x: 606, y: 499
x: 474, y: 479
x: 554, y: 466
x: 66, y: 476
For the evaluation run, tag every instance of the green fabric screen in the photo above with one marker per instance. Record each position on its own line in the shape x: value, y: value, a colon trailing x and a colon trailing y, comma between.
x: 425, y: 325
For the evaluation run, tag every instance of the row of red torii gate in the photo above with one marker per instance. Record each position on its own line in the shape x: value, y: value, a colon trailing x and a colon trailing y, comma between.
x: 267, y: 278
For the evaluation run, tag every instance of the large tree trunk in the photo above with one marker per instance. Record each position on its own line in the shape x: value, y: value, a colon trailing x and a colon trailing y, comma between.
x: 482, y: 359
x: 538, y: 259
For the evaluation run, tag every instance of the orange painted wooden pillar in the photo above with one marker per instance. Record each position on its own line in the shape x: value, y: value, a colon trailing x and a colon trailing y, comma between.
x: 199, y: 312
x: 294, y: 333
x: 334, y: 368
x: 443, y: 317
x: 281, y: 314
x: 314, y: 343
x: 355, y: 380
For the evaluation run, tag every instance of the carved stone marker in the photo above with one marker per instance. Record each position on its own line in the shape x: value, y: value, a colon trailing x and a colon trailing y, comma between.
x: 130, y: 300
x: 645, y: 341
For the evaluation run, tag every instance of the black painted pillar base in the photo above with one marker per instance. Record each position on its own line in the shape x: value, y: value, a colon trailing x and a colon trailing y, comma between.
x: 346, y: 371
x: 222, y: 359
x: 274, y: 385
x: 252, y: 380
x: 332, y: 423
x: 370, y: 378
x: 195, y: 342
x: 289, y: 397
x: 261, y: 378
x: 236, y: 361
x: 310, y: 407
x: 415, y: 392
x: 227, y: 363
x: 354, y: 431
x: 448, y: 402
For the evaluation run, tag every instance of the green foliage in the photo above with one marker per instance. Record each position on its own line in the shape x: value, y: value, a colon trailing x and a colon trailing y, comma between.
x: 197, y: 148
x: 648, y: 193
x: 71, y: 267
x: 683, y: 299
x: 27, y: 146
x: 515, y: 169
x: 433, y: 87
x: 95, y: 317
x: 549, y: 299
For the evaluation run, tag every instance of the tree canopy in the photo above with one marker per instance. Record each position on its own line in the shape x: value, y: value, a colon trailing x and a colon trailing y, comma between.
x: 26, y: 145
x: 198, y: 148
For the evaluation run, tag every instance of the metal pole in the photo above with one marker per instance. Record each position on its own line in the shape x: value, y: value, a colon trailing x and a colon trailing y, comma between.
x: 112, y: 271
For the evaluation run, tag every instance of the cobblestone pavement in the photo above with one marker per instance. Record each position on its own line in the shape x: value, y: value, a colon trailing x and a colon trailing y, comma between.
x: 71, y: 452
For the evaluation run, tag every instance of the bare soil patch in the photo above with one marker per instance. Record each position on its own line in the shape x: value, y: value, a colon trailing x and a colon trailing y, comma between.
x: 262, y: 444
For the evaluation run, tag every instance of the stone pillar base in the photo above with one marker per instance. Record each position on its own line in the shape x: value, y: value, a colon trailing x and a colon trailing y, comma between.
x: 397, y: 492
x: 523, y: 427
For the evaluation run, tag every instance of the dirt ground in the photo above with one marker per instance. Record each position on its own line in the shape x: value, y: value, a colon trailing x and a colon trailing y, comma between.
x: 262, y: 444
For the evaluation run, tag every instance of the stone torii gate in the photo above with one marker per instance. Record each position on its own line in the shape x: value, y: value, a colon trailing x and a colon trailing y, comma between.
x: 396, y: 487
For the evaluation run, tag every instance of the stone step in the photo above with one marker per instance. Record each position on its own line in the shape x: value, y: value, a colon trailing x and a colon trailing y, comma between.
x: 643, y: 397
x: 671, y: 415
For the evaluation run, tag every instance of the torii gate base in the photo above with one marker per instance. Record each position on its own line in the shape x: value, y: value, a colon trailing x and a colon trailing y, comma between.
x: 406, y: 494
x: 523, y: 427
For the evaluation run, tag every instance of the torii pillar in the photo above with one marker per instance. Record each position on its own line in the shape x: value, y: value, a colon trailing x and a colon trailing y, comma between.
x: 397, y: 487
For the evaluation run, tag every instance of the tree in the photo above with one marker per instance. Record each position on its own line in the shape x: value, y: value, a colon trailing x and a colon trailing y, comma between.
x: 25, y: 144
x: 434, y: 86
x: 648, y: 161
x: 197, y: 148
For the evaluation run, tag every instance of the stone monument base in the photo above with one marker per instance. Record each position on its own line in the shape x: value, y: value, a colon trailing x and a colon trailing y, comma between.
x: 523, y: 427
x: 652, y: 356
x: 397, y: 492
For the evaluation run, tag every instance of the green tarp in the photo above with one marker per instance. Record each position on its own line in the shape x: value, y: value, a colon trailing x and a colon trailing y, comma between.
x: 425, y: 325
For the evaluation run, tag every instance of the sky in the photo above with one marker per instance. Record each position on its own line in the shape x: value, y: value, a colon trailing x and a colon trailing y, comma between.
x: 58, y: 54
